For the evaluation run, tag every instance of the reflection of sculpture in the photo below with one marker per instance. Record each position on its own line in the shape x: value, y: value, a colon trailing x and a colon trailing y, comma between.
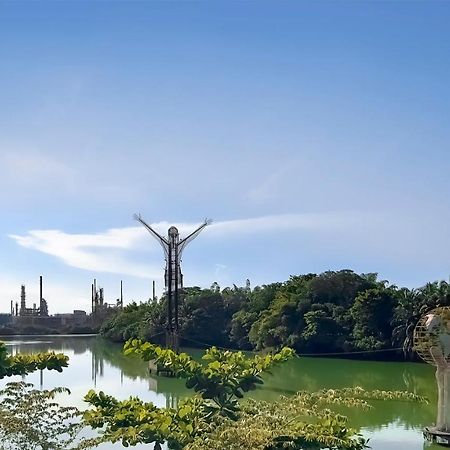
x: 173, y: 248
x: 432, y: 343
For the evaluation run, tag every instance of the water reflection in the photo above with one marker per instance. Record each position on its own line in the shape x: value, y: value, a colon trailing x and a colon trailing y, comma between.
x: 97, y: 364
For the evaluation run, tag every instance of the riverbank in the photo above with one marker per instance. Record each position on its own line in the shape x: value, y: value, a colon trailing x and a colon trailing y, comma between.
x: 33, y: 330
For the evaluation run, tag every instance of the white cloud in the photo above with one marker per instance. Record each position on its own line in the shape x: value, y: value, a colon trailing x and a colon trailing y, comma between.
x: 350, y: 236
x: 108, y: 251
x: 363, y: 241
x: 95, y: 252
x: 282, y: 222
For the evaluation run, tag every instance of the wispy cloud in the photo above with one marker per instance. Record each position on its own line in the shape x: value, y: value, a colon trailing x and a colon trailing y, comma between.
x: 27, y: 167
x: 110, y: 251
x: 101, y: 252
x: 282, y: 222
x: 32, y: 172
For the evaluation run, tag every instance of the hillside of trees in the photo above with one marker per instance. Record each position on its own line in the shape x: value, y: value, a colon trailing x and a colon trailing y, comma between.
x: 332, y: 312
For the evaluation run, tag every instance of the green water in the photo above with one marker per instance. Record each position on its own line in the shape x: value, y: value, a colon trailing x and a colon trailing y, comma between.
x: 97, y: 364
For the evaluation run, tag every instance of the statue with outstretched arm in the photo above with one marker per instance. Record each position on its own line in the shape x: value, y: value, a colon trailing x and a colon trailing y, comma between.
x: 173, y: 248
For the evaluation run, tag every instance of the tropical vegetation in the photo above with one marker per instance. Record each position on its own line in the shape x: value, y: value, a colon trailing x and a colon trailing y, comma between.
x: 31, y: 419
x: 333, y: 312
x: 215, y: 417
x: 24, y: 363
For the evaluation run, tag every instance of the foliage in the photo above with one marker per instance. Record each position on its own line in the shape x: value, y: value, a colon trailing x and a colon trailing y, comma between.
x: 23, y: 364
x: 214, y: 419
x: 133, y: 421
x: 31, y: 420
x: 336, y: 311
x: 221, y: 378
x: 145, y: 319
x: 28, y: 418
x: 372, y: 313
x: 206, y: 314
x: 303, y: 421
x: 412, y: 305
x: 219, y: 381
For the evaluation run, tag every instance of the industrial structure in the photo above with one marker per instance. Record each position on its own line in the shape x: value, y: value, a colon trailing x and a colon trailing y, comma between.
x: 23, y: 319
x: 173, y: 248
x: 100, y: 310
x: 42, y: 311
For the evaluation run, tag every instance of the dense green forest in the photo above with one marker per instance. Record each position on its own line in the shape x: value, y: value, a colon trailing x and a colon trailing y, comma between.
x: 328, y: 313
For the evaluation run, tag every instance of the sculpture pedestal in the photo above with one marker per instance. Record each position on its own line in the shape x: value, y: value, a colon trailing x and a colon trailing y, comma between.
x: 440, y: 433
x: 432, y: 434
x: 172, y: 341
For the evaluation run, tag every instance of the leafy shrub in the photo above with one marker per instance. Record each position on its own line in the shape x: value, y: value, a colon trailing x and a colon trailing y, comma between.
x: 31, y: 420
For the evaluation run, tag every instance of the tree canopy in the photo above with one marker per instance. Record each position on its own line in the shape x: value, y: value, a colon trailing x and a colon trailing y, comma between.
x: 332, y: 312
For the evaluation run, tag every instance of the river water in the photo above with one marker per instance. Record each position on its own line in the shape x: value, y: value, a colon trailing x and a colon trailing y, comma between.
x: 98, y: 364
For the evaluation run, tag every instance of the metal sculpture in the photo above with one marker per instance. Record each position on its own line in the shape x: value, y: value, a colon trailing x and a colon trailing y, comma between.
x: 432, y: 343
x: 173, y: 248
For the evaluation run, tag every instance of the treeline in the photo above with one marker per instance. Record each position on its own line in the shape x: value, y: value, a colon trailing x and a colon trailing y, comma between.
x: 328, y: 313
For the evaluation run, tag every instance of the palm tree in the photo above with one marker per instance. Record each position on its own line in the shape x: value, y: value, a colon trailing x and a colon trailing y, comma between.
x: 412, y: 305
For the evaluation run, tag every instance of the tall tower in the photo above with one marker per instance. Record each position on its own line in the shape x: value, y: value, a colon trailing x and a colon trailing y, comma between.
x: 43, y: 307
x: 23, y: 305
x: 92, y: 299
x: 173, y: 248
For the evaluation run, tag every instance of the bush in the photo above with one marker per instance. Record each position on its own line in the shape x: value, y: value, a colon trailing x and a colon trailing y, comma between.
x: 31, y: 420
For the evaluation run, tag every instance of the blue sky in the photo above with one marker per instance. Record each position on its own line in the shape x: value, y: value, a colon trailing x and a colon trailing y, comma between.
x: 315, y: 134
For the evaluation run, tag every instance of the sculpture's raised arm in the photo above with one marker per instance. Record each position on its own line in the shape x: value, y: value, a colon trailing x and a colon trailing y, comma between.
x: 161, y: 239
x: 182, y: 244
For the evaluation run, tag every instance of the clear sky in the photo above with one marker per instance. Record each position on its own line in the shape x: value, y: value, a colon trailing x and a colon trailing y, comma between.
x: 316, y: 135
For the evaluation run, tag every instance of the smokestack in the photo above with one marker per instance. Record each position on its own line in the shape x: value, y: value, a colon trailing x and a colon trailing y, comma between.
x: 41, y: 303
x: 17, y: 308
x: 121, y: 294
x: 22, y: 298
x: 12, y: 307
x: 154, y: 297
